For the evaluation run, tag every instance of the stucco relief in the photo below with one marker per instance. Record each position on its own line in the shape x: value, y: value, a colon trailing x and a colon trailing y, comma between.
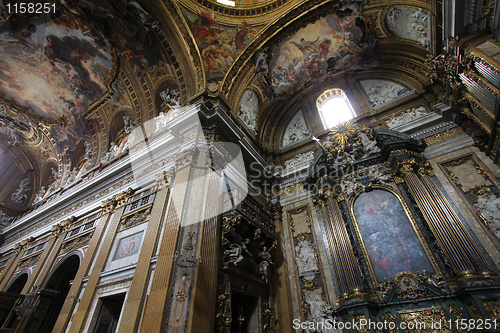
x: 305, y: 259
x: 406, y: 117
x: 382, y: 92
x: 296, y: 130
x: 249, y: 107
x: 299, y: 159
x: 488, y: 204
x: 410, y: 23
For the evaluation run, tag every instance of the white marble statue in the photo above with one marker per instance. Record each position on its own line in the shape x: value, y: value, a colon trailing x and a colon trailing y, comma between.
x: 39, y: 196
x: 369, y: 145
x: 321, y: 314
x: 127, y: 124
x: 113, y: 150
x: 261, y: 67
x: 160, y: 121
x: 172, y: 98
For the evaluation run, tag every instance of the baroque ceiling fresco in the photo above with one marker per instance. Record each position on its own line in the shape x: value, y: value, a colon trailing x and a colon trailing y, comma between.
x: 331, y: 43
x: 73, y: 81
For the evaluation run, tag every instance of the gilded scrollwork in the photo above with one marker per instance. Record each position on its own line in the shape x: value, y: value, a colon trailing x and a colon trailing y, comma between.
x: 426, y: 318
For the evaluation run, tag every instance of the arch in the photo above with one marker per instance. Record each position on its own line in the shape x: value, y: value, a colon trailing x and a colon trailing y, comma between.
x: 117, y: 133
x: 18, y: 283
x: 159, y: 105
x: 380, y: 215
x: 334, y: 107
x: 52, y: 295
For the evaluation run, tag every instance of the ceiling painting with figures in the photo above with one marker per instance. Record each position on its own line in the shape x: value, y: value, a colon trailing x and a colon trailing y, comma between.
x: 332, y: 43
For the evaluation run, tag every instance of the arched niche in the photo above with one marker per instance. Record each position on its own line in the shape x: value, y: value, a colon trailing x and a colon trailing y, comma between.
x: 17, y: 285
x: 52, y: 295
x: 161, y: 105
x: 48, y: 176
x: 389, y: 237
x: 120, y: 128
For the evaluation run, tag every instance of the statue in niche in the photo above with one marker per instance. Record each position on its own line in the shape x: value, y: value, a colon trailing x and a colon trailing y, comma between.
x: 172, y: 98
x: 305, y: 259
x: 127, y: 124
x: 88, y: 150
x: 160, y: 121
x: 265, y: 263
x: 113, y: 150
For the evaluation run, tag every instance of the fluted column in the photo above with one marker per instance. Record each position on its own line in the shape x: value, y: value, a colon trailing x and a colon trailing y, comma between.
x: 344, y: 261
x: 156, y: 303
x: 457, y: 244
x: 137, y: 293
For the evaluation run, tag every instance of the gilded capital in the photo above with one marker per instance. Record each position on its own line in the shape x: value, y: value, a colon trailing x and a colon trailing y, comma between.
x: 117, y: 200
x: 425, y: 169
x: 22, y: 245
x: 63, y: 226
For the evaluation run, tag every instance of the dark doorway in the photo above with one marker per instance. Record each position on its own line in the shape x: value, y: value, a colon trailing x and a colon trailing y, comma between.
x: 17, y: 286
x: 245, y: 314
x: 50, y: 298
x: 108, y: 312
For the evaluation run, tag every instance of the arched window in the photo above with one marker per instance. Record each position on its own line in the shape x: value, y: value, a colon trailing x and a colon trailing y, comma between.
x: 334, y: 108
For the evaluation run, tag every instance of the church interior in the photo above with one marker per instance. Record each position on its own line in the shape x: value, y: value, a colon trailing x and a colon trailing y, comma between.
x: 250, y: 166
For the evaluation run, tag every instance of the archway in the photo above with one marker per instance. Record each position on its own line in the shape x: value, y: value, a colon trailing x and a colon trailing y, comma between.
x: 18, y: 284
x: 50, y: 298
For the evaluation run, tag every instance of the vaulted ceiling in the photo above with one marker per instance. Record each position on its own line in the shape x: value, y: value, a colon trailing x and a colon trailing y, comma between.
x: 71, y: 80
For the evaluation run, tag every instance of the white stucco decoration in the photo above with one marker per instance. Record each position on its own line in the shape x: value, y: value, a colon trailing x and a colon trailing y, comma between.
x: 410, y: 23
x: 249, y: 107
x: 381, y: 92
x: 296, y: 130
